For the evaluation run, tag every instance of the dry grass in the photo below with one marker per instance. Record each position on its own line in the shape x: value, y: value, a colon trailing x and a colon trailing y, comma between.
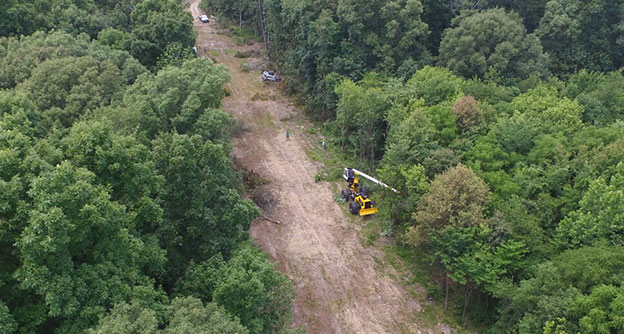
x: 262, y: 96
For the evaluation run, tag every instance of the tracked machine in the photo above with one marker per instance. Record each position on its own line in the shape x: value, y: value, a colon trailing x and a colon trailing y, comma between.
x: 357, y: 196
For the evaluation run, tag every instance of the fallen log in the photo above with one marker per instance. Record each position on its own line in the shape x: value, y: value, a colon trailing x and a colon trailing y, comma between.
x: 271, y: 220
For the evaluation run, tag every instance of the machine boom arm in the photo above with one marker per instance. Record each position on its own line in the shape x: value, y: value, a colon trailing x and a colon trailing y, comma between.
x: 372, y: 179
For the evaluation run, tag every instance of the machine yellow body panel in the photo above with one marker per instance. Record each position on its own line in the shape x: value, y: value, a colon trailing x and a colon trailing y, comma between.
x: 366, y: 212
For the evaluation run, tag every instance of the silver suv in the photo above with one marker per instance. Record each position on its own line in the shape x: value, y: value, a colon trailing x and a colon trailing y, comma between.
x: 270, y: 76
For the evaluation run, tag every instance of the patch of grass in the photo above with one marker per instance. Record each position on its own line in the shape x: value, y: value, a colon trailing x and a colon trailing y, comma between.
x: 328, y: 174
x: 311, y: 302
x: 314, y: 155
x: 339, y: 199
x: 244, y: 54
x: 313, y: 323
x: 240, y: 35
x: 329, y: 157
x: 338, y: 304
x: 312, y: 131
x: 214, y: 53
x: 261, y: 96
x: 405, y: 259
x: 246, y: 67
x: 264, y: 120
x: 286, y: 118
x: 244, y: 36
x: 371, y: 230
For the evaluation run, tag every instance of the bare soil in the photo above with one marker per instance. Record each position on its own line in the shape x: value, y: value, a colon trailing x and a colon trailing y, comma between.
x: 341, y: 286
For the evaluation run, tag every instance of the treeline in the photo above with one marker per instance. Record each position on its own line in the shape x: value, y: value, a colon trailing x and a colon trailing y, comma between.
x: 146, y: 29
x: 120, y: 210
x: 515, y: 193
x: 508, y: 153
x: 320, y: 42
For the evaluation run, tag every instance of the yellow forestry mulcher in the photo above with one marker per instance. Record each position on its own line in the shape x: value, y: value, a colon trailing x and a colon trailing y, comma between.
x: 357, y: 196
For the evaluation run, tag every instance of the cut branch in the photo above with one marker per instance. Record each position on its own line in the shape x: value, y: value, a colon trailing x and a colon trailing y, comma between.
x: 271, y: 220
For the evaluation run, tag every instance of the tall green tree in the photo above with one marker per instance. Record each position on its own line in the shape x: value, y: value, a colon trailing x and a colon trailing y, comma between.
x: 173, y: 99
x: 491, y: 43
x: 203, y: 212
x: 360, y: 120
x: 453, y: 209
x: 79, y: 251
x: 182, y: 316
x: 599, y: 216
x: 247, y: 286
x: 583, y: 35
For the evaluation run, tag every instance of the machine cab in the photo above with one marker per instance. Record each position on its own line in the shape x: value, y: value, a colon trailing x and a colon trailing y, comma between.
x: 349, y: 175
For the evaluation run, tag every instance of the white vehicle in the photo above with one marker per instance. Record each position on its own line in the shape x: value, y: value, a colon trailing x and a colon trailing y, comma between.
x: 269, y: 76
x: 204, y: 18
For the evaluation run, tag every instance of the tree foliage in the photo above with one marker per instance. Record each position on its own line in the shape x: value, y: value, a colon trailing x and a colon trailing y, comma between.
x: 114, y: 180
x: 247, y: 286
x: 182, y: 316
x: 492, y: 42
x: 582, y: 34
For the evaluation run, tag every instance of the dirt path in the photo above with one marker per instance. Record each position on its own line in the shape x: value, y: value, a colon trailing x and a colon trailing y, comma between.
x: 341, y: 286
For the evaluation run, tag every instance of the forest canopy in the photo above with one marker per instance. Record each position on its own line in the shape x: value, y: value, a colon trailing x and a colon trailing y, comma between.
x: 502, y: 125
x: 120, y: 209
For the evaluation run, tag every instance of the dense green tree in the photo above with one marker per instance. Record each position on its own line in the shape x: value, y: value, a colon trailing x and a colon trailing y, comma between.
x: 537, y: 300
x: 247, y: 286
x: 451, y: 219
x: 78, y: 251
x: 26, y: 17
x: 583, y: 35
x: 66, y: 88
x: 127, y: 319
x: 439, y: 161
x: 20, y: 57
x: 411, y: 182
x: 188, y: 316
x: 174, y: 99
x: 602, y: 311
x: 200, y: 201
x: 360, y: 120
x: 319, y: 40
x: 175, y: 54
x: 552, y: 113
x: 155, y: 25
x: 531, y: 11
x: 125, y: 167
x: 600, y: 95
x: 491, y: 43
x: 469, y: 260
x: 7, y: 323
x: 433, y: 84
x: 599, y: 216
x: 556, y: 289
x: 183, y: 316
x: 410, y: 140
x: 239, y: 11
